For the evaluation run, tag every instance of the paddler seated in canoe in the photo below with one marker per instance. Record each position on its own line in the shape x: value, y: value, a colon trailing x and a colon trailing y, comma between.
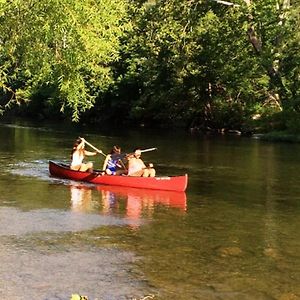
x: 136, y: 166
x: 78, y: 154
x: 113, y: 164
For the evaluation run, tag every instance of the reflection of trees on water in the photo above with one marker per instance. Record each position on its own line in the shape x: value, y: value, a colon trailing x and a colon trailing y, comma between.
x: 133, y: 203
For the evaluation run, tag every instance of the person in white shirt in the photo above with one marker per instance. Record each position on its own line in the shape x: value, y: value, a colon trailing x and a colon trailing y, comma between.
x: 78, y: 154
x: 136, y: 166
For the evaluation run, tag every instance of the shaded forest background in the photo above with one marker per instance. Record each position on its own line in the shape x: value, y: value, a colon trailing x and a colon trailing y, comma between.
x: 207, y: 65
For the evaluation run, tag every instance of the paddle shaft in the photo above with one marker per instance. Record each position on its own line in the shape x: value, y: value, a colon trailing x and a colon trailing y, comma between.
x: 99, y: 151
x: 120, y: 156
x: 149, y: 149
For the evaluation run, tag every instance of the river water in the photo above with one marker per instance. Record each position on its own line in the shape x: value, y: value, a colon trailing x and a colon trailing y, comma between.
x: 234, y: 234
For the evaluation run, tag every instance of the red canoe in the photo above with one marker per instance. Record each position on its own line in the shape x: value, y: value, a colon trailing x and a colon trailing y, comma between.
x: 168, y: 183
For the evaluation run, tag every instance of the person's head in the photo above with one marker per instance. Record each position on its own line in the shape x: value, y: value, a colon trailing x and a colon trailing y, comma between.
x: 137, y: 152
x: 115, y: 150
x: 77, y: 143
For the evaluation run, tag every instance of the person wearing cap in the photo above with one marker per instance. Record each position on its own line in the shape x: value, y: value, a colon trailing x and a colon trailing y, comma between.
x: 136, y: 166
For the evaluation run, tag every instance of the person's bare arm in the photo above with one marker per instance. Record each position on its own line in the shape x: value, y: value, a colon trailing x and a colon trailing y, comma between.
x: 89, y: 153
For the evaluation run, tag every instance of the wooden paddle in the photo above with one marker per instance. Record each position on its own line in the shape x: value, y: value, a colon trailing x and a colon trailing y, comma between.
x: 123, y: 155
x: 149, y: 149
x: 99, y: 151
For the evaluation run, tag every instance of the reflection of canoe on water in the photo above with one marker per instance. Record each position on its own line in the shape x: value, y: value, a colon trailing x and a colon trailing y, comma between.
x: 135, y: 204
x: 148, y: 197
x: 168, y: 183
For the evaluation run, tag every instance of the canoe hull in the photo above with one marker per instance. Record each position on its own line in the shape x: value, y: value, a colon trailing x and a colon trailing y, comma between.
x: 169, y: 183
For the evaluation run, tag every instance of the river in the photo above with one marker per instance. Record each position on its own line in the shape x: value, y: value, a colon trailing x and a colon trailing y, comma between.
x: 234, y: 234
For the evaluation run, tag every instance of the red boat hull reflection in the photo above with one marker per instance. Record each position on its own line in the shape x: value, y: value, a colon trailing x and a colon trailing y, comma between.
x: 134, y: 202
x: 154, y: 197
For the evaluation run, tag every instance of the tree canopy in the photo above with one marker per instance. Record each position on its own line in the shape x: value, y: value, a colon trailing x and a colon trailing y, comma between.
x: 59, y: 49
x: 206, y: 64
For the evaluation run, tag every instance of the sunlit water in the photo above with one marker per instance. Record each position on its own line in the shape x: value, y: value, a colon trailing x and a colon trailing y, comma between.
x: 234, y: 234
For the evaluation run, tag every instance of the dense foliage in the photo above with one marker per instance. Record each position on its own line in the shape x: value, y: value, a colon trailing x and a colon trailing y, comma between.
x: 59, y: 51
x: 203, y: 64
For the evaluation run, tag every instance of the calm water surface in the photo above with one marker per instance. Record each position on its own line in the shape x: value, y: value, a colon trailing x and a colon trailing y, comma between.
x: 234, y: 234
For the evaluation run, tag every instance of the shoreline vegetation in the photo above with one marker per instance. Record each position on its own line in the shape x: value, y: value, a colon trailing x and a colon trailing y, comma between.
x: 279, y: 136
x: 286, y: 136
x: 214, y: 66
x: 273, y: 136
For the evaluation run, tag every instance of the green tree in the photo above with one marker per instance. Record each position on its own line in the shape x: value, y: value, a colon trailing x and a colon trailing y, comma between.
x: 60, y: 50
x: 272, y: 30
x: 210, y: 64
x: 195, y: 63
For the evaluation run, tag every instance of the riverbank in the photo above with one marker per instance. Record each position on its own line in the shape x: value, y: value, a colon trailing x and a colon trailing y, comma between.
x: 257, y: 133
x: 279, y: 136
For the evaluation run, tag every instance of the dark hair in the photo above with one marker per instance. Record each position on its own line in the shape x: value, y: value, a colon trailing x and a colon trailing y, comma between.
x: 115, y: 149
x: 76, y: 143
